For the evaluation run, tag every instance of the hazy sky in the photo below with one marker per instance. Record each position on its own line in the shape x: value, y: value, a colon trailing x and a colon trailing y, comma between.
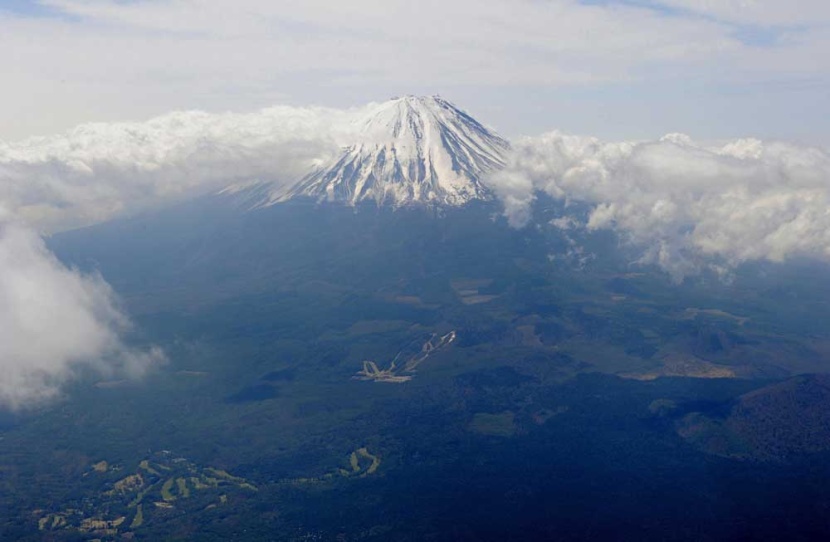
x: 611, y: 68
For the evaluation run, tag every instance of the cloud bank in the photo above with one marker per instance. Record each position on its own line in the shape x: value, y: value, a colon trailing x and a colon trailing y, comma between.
x: 99, y: 171
x: 55, y: 322
x: 687, y: 205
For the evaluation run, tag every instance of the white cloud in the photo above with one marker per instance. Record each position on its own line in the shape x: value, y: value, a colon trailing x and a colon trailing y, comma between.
x: 686, y: 204
x: 98, y: 171
x: 53, y: 322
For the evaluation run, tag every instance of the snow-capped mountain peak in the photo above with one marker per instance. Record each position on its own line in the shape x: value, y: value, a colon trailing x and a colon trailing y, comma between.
x: 408, y: 150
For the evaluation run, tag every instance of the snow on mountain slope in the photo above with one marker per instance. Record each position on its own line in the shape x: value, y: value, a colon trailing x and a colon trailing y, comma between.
x: 409, y: 150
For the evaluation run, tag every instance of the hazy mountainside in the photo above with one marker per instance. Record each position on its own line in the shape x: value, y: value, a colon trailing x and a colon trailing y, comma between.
x: 410, y: 150
x: 205, y: 252
x: 403, y: 365
x: 774, y: 423
x: 372, y: 373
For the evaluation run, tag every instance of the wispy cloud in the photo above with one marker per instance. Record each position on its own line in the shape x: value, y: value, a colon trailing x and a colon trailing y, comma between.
x: 105, y: 59
x: 54, y: 322
x: 769, y: 13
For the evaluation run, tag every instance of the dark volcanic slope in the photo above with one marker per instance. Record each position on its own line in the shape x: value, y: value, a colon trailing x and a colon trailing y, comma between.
x: 776, y: 422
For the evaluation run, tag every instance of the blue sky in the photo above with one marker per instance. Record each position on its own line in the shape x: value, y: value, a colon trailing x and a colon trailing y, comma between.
x: 29, y: 8
x: 22, y: 6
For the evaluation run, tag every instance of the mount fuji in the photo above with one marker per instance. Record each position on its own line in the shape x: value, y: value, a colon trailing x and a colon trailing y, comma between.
x: 399, y: 342
x: 408, y: 151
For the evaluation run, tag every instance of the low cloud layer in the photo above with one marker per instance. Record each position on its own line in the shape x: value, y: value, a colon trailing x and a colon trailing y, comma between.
x: 687, y: 205
x: 100, y: 171
x: 55, y: 322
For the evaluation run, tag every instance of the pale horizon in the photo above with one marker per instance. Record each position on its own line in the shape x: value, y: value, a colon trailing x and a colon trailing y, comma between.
x: 617, y: 69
